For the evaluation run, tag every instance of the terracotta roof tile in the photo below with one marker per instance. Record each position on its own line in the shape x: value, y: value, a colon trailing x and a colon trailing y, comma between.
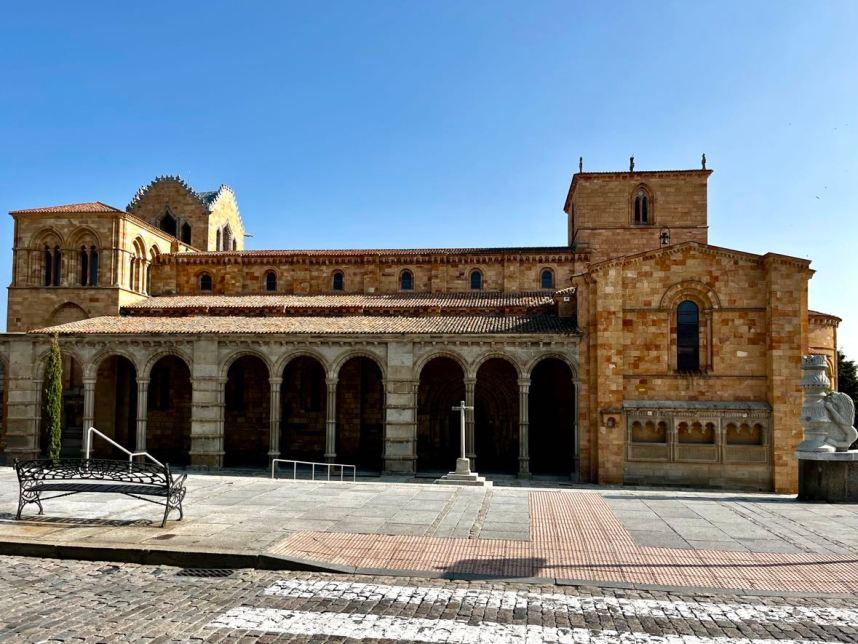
x: 330, y: 302
x: 343, y: 325
x: 346, y: 252
x: 86, y: 207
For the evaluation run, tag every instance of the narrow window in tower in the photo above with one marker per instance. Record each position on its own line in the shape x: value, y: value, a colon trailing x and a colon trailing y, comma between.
x: 93, y: 266
x: 687, y: 336
x: 271, y: 281
x: 406, y: 281
x: 58, y: 263
x: 84, y: 266
x: 205, y: 282
x: 476, y: 280
x: 48, y: 265
x: 641, y: 207
x: 338, y: 281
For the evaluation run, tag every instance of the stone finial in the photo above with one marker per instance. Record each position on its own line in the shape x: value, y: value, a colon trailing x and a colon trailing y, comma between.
x: 580, y: 164
x: 827, y: 416
x: 703, y: 161
x: 631, y: 164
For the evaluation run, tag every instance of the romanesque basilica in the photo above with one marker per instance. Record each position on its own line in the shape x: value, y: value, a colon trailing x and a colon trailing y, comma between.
x: 635, y: 352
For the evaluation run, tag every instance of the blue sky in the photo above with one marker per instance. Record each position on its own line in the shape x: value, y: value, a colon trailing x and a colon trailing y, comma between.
x: 443, y: 124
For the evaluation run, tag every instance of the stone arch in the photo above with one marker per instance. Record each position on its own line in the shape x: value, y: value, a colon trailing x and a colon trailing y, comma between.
x: 440, y: 386
x: 570, y: 362
x: 499, y: 355
x: 65, y: 313
x: 360, y: 411
x: 169, y: 405
x: 72, y: 405
x: 445, y: 353
x: 284, y: 360
x: 552, y: 413
x: 46, y: 235
x: 227, y: 362
x: 155, y: 357
x: 246, y: 409
x: 92, y: 365
x: 496, y: 414
x: 304, y: 398
x: 48, y: 261
x: 115, y: 412
x: 340, y: 360
x: 83, y: 234
x: 704, y: 296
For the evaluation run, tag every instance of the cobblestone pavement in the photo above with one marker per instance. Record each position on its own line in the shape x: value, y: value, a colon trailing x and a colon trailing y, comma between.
x: 54, y: 600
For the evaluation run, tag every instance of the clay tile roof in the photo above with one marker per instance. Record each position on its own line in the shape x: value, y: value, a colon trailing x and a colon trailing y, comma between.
x: 86, y: 207
x: 344, y: 252
x: 824, y: 317
x: 344, y: 325
x: 330, y: 302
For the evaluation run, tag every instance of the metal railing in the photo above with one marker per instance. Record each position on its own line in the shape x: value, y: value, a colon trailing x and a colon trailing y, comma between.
x: 313, y: 465
x: 87, y: 439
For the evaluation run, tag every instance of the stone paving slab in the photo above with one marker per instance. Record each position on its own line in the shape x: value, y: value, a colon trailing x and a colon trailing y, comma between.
x: 611, y: 535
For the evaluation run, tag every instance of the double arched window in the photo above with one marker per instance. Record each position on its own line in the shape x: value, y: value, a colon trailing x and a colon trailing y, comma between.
x: 270, y: 281
x: 642, y: 207
x: 546, y: 278
x: 88, y: 265
x: 205, y: 283
x: 476, y: 280
x: 687, y: 336
x: 406, y: 281
x: 338, y: 281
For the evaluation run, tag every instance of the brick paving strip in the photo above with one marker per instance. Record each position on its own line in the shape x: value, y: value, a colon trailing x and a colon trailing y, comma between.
x: 576, y: 536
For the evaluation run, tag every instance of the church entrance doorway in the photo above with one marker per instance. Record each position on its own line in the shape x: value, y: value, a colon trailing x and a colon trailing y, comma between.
x: 441, y: 386
x: 496, y: 417
x: 552, y: 418
x: 360, y: 414
x: 246, y: 413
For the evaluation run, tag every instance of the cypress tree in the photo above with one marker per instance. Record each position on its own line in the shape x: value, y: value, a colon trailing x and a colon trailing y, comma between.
x: 54, y: 398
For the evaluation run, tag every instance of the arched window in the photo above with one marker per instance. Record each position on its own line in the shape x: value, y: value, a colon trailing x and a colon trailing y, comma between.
x: 642, y: 207
x: 205, y: 282
x: 270, y: 281
x: 168, y: 224
x: 186, y: 233
x: 84, y: 266
x: 687, y: 336
x: 406, y: 281
x: 546, y: 278
x: 132, y: 277
x: 48, y: 265
x: 93, y: 266
x: 476, y: 280
x: 218, y: 243
x: 234, y: 244
x: 148, y: 278
x: 338, y: 281
x: 58, y: 265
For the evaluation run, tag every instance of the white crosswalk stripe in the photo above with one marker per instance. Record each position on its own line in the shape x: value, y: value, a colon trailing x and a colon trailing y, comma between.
x: 364, y: 626
x: 558, y: 602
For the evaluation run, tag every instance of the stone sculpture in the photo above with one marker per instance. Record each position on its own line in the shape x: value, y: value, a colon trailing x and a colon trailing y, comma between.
x: 827, y: 416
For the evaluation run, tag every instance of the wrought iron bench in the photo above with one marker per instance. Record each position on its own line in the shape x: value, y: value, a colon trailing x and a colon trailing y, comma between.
x: 75, y: 476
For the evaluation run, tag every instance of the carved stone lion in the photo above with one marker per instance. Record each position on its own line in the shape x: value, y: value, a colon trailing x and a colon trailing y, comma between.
x: 841, y: 415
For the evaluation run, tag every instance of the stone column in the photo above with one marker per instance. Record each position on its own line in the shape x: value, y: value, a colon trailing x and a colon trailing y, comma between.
x: 206, y: 406
x: 400, y: 412
x: 88, y: 411
x: 331, y: 421
x: 524, y: 428
x: 142, y: 413
x: 274, y: 424
x: 470, y: 445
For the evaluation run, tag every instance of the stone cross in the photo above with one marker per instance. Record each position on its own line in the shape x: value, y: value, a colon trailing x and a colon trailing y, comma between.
x: 461, y: 408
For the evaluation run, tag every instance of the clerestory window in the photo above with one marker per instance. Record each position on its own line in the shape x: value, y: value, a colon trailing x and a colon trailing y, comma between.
x: 687, y: 336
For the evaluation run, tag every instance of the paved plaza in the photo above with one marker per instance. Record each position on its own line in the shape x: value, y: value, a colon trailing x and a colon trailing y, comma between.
x: 50, y: 600
x: 632, y: 538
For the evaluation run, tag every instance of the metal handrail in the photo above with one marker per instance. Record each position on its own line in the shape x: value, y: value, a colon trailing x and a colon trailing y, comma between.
x: 131, y: 455
x: 313, y: 465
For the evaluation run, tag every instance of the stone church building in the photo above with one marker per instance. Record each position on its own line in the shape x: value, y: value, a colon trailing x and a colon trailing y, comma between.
x: 634, y: 352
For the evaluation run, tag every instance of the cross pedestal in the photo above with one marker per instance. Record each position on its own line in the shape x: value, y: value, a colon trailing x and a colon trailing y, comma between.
x: 463, y: 475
